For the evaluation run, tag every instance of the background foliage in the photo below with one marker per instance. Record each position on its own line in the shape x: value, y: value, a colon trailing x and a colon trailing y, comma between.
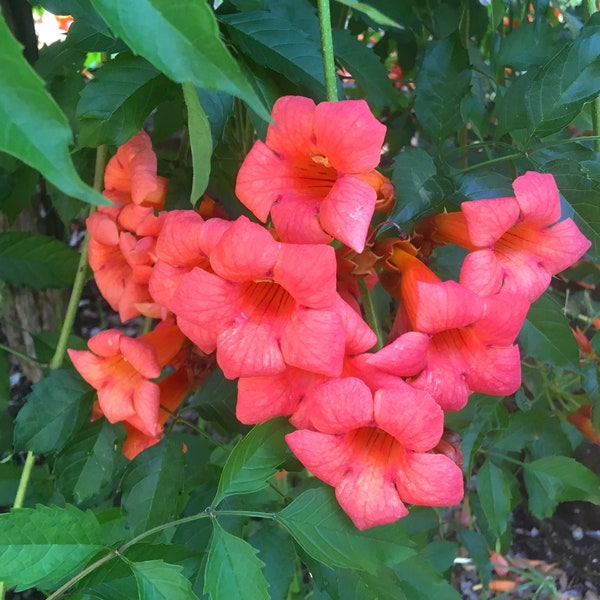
x: 473, y: 94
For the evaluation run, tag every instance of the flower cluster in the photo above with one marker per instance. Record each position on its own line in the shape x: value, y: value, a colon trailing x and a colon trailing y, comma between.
x: 278, y: 307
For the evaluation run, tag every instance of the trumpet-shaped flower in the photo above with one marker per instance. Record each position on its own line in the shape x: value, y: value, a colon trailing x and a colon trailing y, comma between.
x: 517, y: 243
x: 130, y: 175
x: 265, y: 306
x: 374, y: 449
x: 120, y: 368
x: 314, y: 173
x: 471, y: 338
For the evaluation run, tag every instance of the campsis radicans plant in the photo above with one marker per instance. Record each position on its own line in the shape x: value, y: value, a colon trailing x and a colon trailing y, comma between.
x: 276, y: 304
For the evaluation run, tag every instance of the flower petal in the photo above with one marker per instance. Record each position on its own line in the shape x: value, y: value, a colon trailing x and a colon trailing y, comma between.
x: 296, y: 219
x: 349, y: 135
x: 347, y: 210
x: 488, y: 220
x: 538, y: 198
x: 405, y: 356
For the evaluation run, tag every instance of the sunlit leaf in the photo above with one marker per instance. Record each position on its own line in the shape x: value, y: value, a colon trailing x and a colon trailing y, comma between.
x: 44, y: 545
x: 254, y: 459
x: 190, y: 47
x: 34, y: 128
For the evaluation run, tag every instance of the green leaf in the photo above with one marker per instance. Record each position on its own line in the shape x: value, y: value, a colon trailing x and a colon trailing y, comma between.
x: 34, y: 129
x: 276, y: 549
x: 44, y: 545
x: 36, y: 261
x: 443, y: 80
x: 566, y: 82
x: 52, y: 412
x: 545, y: 335
x: 420, y: 581
x: 254, y: 459
x: 372, y: 13
x: 417, y: 189
x: 365, y: 67
x: 318, y: 524
x: 115, y: 104
x: 158, y: 580
x: 233, y: 570
x: 201, y: 142
x: 277, y: 43
x: 85, y: 466
x: 151, y: 486
x: 555, y: 479
x: 190, y: 48
x: 493, y: 487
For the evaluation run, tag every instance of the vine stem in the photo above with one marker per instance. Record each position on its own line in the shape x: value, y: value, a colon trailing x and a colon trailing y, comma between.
x: 209, y: 512
x: 590, y: 8
x: 67, y: 325
x: 327, y: 48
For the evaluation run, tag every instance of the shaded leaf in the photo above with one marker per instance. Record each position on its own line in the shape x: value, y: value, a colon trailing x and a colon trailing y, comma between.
x: 52, y: 412
x: 115, y: 104
x: 44, y: 545
x: 555, y: 479
x: 255, y: 458
x: 233, y: 570
x: 566, y: 82
x: 417, y: 188
x: 152, y: 484
x: 364, y: 65
x: 316, y: 521
x: 85, y: 466
x: 275, y: 42
x: 34, y: 129
x: 190, y: 47
x: 36, y: 261
x: 493, y: 487
x: 442, y: 81
x: 158, y: 580
x: 200, y: 142
x: 545, y: 335
x: 371, y: 12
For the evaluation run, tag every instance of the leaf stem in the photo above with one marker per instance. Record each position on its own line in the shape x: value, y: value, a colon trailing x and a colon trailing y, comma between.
x: 24, y: 480
x: 20, y: 355
x: 327, y: 49
x: 488, y: 162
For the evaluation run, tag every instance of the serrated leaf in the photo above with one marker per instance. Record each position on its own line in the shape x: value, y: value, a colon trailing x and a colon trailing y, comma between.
x: 233, y: 570
x: 417, y: 190
x: 274, y: 42
x: 44, y: 545
x: 200, y: 141
x: 190, y: 47
x: 493, y: 487
x: 52, y: 412
x: 36, y: 261
x: 158, y: 580
x: 151, y: 486
x: 545, y: 335
x: 443, y: 80
x: 555, y: 479
x: 86, y: 464
x: 34, y: 128
x: 566, y: 82
x: 365, y: 67
x: 115, y: 104
x: 316, y: 521
x: 254, y: 459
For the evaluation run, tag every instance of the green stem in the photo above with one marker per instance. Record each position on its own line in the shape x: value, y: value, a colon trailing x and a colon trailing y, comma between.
x: 24, y: 480
x: 327, y: 48
x: 370, y: 313
x: 488, y: 162
x: 20, y: 354
x: 590, y: 8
